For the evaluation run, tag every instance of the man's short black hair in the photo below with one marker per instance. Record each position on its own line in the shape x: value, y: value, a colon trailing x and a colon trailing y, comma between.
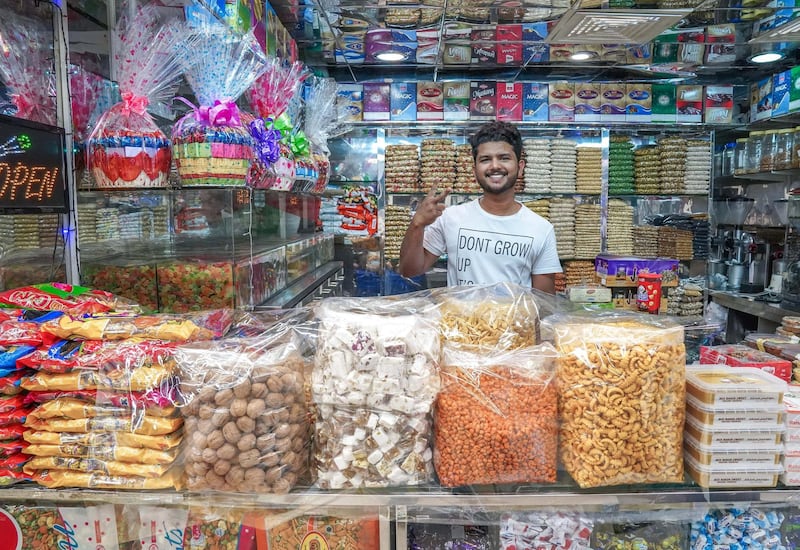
x: 496, y: 131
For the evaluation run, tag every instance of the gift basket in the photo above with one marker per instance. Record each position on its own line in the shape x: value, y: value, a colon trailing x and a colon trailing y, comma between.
x: 321, y: 124
x: 269, y: 97
x: 212, y: 144
x: 126, y: 148
x: 24, y: 68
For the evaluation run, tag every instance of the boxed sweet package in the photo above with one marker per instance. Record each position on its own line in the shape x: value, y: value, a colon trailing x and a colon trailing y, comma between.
x: 738, y: 355
x: 623, y: 271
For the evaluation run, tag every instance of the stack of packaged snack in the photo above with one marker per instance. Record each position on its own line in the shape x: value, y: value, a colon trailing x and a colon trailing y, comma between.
x: 126, y: 148
x: 437, y: 164
x: 545, y: 531
x: 212, y: 144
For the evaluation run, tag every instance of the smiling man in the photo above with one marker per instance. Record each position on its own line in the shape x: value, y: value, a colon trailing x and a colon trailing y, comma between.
x: 491, y: 239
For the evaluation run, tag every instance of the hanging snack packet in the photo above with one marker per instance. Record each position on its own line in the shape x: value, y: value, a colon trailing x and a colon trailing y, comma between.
x: 211, y: 145
x: 126, y: 148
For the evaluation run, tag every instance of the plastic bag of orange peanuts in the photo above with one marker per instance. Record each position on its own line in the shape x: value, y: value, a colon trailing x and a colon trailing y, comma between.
x: 496, y: 417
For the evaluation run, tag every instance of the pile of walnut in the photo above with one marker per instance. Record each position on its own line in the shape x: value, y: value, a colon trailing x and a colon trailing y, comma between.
x: 621, y: 400
x: 250, y: 435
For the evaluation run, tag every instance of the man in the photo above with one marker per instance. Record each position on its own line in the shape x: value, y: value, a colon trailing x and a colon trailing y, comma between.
x: 491, y: 239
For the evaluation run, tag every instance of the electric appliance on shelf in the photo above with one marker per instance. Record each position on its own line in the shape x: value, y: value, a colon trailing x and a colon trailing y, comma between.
x: 737, y: 253
x: 790, y: 283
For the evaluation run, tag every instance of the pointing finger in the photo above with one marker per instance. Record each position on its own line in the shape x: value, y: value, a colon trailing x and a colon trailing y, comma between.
x: 434, y: 189
x: 443, y: 196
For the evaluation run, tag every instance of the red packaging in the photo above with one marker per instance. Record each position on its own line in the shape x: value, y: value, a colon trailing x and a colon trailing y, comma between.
x: 509, y: 101
x: 509, y: 45
x: 484, y: 49
x: 648, y: 292
x: 738, y: 355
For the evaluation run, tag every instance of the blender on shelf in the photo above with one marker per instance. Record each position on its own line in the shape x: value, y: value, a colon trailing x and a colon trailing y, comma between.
x: 735, y: 253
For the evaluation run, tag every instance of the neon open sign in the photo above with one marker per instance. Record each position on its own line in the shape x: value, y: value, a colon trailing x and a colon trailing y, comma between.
x: 31, y: 167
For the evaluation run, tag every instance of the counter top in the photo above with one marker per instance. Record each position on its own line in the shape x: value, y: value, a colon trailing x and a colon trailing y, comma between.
x: 747, y: 304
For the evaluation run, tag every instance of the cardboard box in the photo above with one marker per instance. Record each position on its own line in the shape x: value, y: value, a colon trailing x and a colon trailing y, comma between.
x: 721, y: 44
x: 638, y: 54
x: 639, y: 103
x: 761, y: 99
x: 482, y: 100
x: 534, y: 50
x: 350, y: 102
x: 612, y: 101
x: 403, y: 101
x: 352, y: 48
x: 587, y: 101
x: 509, y: 44
x: 400, y: 41
x: 719, y: 105
x: 377, y: 100
x: 430, y: 100
x: 509, y: 101
x: 781, y: 82
x: 534, y: 101
x: 623, y: 271
x: 484, y: 47
x: 561, y: 101
x: 427, y: 46
x: 689, y: 103
x: 738, y: 355
x: 457, y: 52
x: 456, y: 100
x: 664, y: 108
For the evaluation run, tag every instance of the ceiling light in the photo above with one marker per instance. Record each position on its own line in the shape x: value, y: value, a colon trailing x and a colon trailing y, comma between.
x: 766, y: 57
x: 390, y: 56
x: 581, y: 56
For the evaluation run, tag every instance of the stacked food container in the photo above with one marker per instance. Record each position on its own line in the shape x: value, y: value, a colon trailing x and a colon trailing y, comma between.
x: 734, y: 426
x: 791, y: 450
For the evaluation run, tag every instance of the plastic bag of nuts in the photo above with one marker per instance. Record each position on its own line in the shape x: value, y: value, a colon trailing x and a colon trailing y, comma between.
x: 246, y: 423
x: 374, y: 382
x: 621, y: 383
x: 496, y: 418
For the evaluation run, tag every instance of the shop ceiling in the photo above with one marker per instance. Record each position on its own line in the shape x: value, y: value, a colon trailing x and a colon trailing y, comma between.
x: 585, y: 26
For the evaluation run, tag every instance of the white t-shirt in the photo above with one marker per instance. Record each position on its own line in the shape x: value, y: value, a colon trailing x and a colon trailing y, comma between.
x: 483, y: 248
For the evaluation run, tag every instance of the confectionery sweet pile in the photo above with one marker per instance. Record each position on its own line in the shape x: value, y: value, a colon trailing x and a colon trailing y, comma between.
x: 402, y: 168
x: 398, y: 218
x: 619, y: 228
x: 562, y: 216
x: 587, y: 237
x: 437, y: 164
x: 588, y: 173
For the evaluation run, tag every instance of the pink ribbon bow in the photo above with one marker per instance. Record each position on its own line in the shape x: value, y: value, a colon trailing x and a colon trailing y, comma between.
x: 133, y: 103
x: 222, y: 113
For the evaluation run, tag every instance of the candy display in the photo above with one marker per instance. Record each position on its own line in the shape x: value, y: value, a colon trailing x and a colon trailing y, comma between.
x: 621, y: 398
x: 72, y: 299
x: 430, y: 536
x: 628, y: 533
x: 545, y: 531
x: 195, y: 285
x: 246, y: 417
x: 508, y: 401
x: 211, y: 145
x: 126, y: 148
x: 374, y: 382
x: 359, y: 532
x: 738, y: 527
x: 132, y: 280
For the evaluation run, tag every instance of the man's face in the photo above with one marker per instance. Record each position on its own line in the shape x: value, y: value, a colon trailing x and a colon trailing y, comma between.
x: 497, y: 167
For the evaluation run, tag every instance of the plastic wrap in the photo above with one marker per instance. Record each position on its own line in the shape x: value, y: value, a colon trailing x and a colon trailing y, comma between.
x: 737, y: 528
x: 85, y: 89
x: 269, y: 96
x: 505, y: 401
x: 211, y: 144
x: 488, y: 317
x: 626, y: 533
x: 205, y: 325
x: 374, y: 382
x: 321, y: 124
x: 545, y: 531
x: 426, y: 536
x: 72, y: 299
x: 247, y: 425
x: 67, y: 355
x: 26, y: 60
x: 621, y: 380
x: 126, y: 148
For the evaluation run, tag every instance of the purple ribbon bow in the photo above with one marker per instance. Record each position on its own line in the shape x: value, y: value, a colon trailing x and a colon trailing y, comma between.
x: 267, y: 148
x: 222, y: 113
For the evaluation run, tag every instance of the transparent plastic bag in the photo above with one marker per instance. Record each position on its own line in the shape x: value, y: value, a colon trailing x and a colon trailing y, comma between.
x: 211, y: 144
x: 621, y: 380
x: 505, y: 402
x: 126, y: 148
x: 374, y: 382
x: 247, y: 425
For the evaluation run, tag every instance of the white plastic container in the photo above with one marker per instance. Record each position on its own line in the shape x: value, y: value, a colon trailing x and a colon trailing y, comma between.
x: 706, y: 414
x: 724, y: 478
x: 715, y: 458
x: 733, y: 438
x: 734, y: 387
x: 791, y: 401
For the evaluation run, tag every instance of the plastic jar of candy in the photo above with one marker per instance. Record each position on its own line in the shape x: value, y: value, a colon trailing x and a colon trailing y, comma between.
x: 784, y: 144
x: 769, y: 141
x: 754, y: 144
x: 740, y: 157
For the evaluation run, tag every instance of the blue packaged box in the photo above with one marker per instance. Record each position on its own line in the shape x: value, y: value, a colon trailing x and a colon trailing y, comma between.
x: 781, y: 84
x: 623, y: 271
x: 534, y: 101
x: 534, y: 50
x: 403, y: 101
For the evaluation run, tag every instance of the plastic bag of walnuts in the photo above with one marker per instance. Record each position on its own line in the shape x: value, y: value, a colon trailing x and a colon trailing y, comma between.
x: 246, y: 416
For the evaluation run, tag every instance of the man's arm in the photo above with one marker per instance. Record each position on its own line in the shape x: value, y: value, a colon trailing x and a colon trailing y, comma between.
x: 414, y: 259
x: 546, y: 282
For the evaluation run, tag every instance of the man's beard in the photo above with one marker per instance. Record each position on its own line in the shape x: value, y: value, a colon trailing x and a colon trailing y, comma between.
x: 498, y: 191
